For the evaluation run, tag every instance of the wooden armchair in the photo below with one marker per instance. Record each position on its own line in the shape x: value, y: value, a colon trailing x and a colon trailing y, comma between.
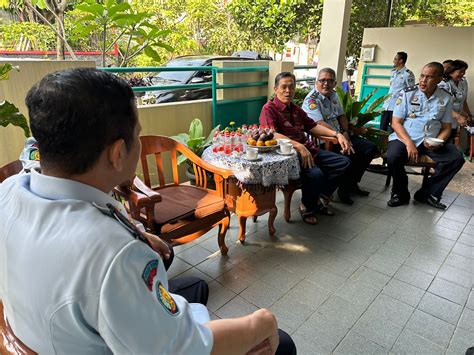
x: 10, y: 169
x: 178, y: 213
x: 294, y: 185
x: 9, y: 343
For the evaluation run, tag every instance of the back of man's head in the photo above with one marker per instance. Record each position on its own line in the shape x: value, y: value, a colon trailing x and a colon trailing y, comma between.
x: 403, y: 56
x: 76, y: 113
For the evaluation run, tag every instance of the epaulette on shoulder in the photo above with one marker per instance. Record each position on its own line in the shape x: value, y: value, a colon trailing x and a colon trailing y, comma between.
x: 410, y: 88
x: 408, y: 70
x: 314, y: 94
x: 446, y: 91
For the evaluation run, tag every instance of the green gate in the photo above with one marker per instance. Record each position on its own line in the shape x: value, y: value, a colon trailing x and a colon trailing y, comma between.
x: 367, y: 88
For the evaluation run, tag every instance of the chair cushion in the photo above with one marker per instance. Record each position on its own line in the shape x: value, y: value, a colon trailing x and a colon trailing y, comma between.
x: 183, y: 201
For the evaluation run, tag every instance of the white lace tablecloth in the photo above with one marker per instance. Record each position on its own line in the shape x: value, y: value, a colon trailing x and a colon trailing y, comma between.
x: 272, y: 169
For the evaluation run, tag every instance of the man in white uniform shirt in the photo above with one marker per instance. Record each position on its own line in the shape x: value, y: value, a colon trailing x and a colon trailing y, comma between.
x: 75, y: 275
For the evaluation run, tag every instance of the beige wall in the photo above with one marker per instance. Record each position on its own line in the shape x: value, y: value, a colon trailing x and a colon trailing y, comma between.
x: 15, y: 89
x: 423, y: 45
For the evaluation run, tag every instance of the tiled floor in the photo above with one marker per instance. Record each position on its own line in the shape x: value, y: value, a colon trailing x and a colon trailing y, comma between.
x: 369, y: 280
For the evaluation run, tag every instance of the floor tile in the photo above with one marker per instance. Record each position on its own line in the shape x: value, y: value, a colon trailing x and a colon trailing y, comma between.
x: 382, y: 264
x: 459, y: 277
x: 456, y: 217
x: 440, y: 308
x: 345, y: 312
x: 309, y: 294
x: 403, y: 292
x: 291, y: 314
x: 177, y: 267
x: 459, y: 262
x: 354, y: 343
x: 357, y: 292
x: 326, y: 280
x: 470, y: 301
x: 431, y: 328
x: 428, y: 265
x: 378, y: 329
x: 449, y: 290
x: 467, y: 320
x: 449, y: 223
x: 464, y: 250
x: 411, y: 343
x: 195, y: 255
x: 216, y: 266
x: 466, y: 239
x: 446, y: 232
x: 193, y: 272
x: 390, y: 308
x: 460, y: 342
x: 236, y: 307
x: 414, y: 277
x: 261, y: 294
x: 236, y: 279
x: 218, y: 296
x: 371, y: 278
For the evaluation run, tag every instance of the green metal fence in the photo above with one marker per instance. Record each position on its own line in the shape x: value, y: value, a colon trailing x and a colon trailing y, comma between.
x: 367, y: 88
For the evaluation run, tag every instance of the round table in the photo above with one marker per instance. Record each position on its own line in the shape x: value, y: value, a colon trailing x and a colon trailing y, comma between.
x: 252, y: 191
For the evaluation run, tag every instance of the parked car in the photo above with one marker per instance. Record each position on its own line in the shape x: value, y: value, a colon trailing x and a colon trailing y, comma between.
x: 185, y: 77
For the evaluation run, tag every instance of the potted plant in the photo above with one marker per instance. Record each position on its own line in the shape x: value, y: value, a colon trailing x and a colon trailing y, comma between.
x: 358, y: 117
x: 9, y: 113
x: 195, y: 141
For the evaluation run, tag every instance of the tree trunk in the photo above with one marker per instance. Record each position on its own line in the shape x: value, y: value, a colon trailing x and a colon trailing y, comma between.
x: 60, y: 52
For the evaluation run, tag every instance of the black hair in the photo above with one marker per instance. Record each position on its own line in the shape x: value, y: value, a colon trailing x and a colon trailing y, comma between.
x: 403, y: 56
x: 327, y: 70
x: 285, y: 74
x: 453, y: 66
x: 438, y: 66
x: 76, y: 113
x: 448, y: 61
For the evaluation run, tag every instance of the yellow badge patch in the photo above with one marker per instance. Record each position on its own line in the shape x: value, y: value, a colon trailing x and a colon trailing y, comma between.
x: 399, y: 101
x: 166, y: 300
x: 312, y: 106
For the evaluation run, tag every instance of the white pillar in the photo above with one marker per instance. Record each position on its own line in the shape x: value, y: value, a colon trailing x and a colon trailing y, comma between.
x: 334, y: 31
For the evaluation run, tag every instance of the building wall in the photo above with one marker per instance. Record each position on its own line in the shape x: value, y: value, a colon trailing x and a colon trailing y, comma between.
x: 423, y: 45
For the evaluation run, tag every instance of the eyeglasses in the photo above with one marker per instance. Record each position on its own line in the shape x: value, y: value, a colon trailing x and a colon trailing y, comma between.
x: 324, y: 81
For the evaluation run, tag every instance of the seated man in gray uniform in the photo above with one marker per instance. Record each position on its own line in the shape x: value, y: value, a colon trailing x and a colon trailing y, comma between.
x: 323, y: 106
x: 76, y: 277
x: 422, y: 112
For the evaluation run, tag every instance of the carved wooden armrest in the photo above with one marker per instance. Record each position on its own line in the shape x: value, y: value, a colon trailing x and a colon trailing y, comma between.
x: 141, y: 198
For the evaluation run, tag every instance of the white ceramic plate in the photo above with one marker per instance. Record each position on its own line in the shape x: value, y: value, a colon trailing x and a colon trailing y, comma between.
x: 290, y: 153
x: 251, y: 159
x: 264, y: 149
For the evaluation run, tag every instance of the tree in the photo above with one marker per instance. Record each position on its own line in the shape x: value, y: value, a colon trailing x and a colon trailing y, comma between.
x: 446, y: 12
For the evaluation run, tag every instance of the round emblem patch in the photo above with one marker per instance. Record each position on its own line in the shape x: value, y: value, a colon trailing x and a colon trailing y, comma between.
x: 312, y: 106
x: 166, y: 300
x: 399, y: 101
x: 34, y: 155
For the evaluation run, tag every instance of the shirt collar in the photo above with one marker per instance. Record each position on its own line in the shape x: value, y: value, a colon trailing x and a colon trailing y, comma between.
x: 53, y: 188
x: 321, y: 96
x: 280, y: 105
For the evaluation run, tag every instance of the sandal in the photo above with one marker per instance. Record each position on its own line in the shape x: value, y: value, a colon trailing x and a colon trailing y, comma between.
x: 326, y: 211
x: 308, y: 216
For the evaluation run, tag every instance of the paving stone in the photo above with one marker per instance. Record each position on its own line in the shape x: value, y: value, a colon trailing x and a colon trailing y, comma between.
x: 236, y: 307
x: 449, y: 290
x: 345, y: 312
x: 455, y: 208
x: 341, y: 267
x: 193, y: 272
x: 459, y: 262
x: 459, y: 277
x: 431, y: 266
x: 282, y: 278
x: 215, y: 267
x: 414, y: 277
x: 411, y: 343
x: 177, y: 267
x: 431, y: 328
x: 290, y: 313
x: 466, y: 239
x: 469, y: 229
x: 460, y: 342
x: 446, y: 232
x: 357, y: 292
x: 378, y: 329
x: 261, y: 294
x: 467, y: 320
x: 355, y: 343
x: 371, y: 278
x: 403, y: 292
x: 470, y: 302
x: 456, y: 217
x: 440, y: 308
x: 390, y: 308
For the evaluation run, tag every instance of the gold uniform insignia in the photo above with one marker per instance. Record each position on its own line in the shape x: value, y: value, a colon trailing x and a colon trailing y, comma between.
x: 412, y: 115
x: 415, y: 99
x: 312, y: 106
x: 399, y: 101
x: 441, y: 102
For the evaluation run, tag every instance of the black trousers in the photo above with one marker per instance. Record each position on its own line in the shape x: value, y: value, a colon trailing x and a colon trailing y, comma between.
x: 364, y: 152
x: 323, y: 178
x: 195, y: 290
x: 449, y: 160
x: 386, y: 121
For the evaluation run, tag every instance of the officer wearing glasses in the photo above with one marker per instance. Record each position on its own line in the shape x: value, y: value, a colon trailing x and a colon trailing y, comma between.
x: 323, y: 106
x: 422, y: 111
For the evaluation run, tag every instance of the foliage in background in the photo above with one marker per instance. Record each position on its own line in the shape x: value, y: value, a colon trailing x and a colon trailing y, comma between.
x: 194, y: 139
x: 446, y: 12
x: 9, y: 113
x: 358, y: 116
x: 40, y: 36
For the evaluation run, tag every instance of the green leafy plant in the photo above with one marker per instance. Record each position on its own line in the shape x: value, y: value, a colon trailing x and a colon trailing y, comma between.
x: 194, y: 139
x: 358, y: 117
x: 9, y: 113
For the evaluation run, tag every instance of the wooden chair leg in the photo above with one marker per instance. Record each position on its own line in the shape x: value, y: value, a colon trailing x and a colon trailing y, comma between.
x: 288, y: 192
x: 426, y: 174
x: 223, y: 227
